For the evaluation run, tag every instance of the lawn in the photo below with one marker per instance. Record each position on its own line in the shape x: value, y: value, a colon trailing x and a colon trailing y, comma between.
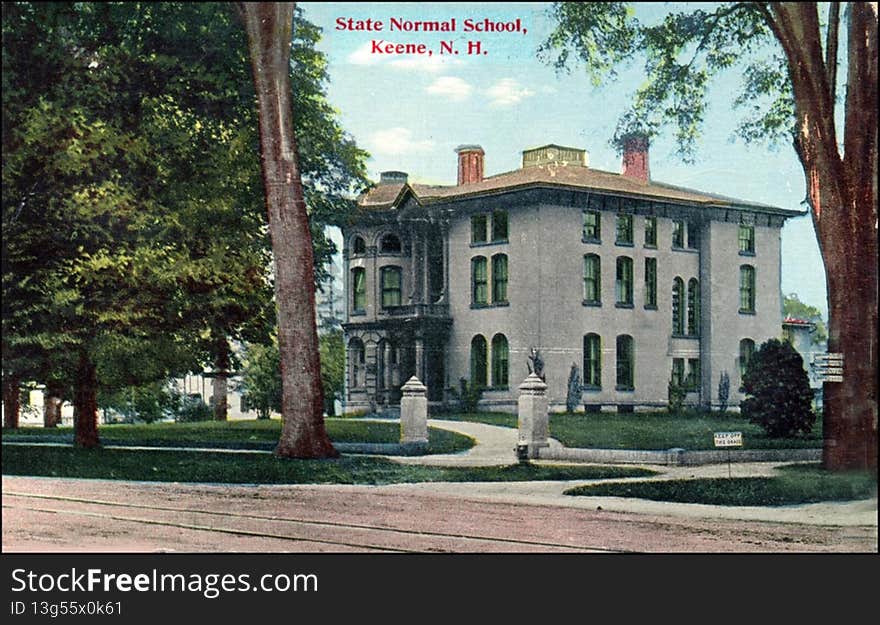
x: 650, y: 430
x: 251, y: 434
x: 795, y: 484
x: 258, y: 468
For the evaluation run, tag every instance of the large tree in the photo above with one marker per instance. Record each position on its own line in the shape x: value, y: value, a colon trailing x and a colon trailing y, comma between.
x: 269, y: 27
x: 790, y: 54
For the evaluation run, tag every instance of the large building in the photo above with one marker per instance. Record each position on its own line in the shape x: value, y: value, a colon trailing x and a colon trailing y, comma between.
x: 633, y: 281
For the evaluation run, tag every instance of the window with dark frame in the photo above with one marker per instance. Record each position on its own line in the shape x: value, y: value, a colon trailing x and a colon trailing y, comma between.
x: 500, y: 361
x: 693, y: 307
x: 650, y: 232
x: 624, y: 230
x: 592, y: 361
x: 746, y: 289
x: 391, y: 286
x: 478, y: 361
x: 592, y: 279
x: 678, y: 234
x: 592, y: 226
x: 624, y: 283
x: 746, y: 239
x: 625, y: 362
x: 479, y: 281
x: 677, y: 306
x: 499, y: 226
x: 359, y: 289
x: 479, y: 229
x: 650, y: 283
x: 499, y: 279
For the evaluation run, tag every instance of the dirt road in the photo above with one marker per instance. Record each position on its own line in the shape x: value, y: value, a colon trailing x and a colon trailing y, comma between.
x: 55, y: 515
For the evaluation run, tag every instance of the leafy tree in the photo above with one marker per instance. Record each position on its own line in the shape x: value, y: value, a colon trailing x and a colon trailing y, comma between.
x: 676, y: 394
x: 779, y: 398
x: 790, y: 92
x: 573, y: 396
x: 332, y: 348
x: 269, y: 29
x: 793, y: 307
x: 261, y: 378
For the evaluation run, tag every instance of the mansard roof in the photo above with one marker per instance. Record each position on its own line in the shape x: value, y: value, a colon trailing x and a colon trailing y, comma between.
x: 572, y: 177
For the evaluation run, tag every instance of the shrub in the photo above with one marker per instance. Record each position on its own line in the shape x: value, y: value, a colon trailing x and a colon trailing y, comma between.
x: 779, y: 395
x: 676, y: 393
x: 573, y: 397
x: 191, y: 408
x: 469, y: 396
x: 723, y: 391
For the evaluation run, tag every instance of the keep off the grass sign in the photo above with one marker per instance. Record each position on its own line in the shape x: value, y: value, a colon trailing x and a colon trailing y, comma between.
x: 728, y: 439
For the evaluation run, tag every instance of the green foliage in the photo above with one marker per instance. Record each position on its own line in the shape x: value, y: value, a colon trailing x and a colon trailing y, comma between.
x: 469, y: 395
x: 778, y: 388
x: 573, y: 396
x: 332, y: 349
x: 191, y: 408
x: 682, y: 52
x: 261, y: 378
x: 723, y: 391
x: 793, y: 307
x: 676, y: 394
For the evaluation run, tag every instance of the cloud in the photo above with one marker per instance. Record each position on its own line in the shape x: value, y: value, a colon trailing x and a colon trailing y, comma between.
x: 430, y: 64
x: 397, y: 141
x: 450, y: 87
x: 363, y: 56
x: 507, y: 92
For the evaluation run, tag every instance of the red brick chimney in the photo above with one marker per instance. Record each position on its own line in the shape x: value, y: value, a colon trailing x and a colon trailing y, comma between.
x: 635, y: 158
x: 470, y: 164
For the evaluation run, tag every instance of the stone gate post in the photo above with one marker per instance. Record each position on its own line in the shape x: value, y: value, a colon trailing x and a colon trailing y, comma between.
x: 532, y: 412
x: 414, y: 413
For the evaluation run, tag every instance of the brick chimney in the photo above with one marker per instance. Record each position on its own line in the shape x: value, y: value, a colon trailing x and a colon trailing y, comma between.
x: 470, y: 164
x: 635, y: 158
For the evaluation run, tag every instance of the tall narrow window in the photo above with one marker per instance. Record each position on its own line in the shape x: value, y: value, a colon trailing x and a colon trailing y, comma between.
x: 391, y: 287
x: 624, y: 285
x: 677, y: 233
x: 692, y: 381
x: 677, y: 311
x: 479, y: 281
x: 693, y: 232
x: 624, y: 230
x: 625, y: 362
x: 356, y: 359
x: 746, y: 349
x: 358, y: 289
x: 746, y: 239
x: 746, y: 289
x: 499, y: 279
x: 677, y: 371
x: 592, y: 361
x: 650, y: 283
x: 650, y: 232
x: 478, y: 229
x: 592, y: 226
x: 390, y: 244
x: 478, y: 361
x: 499, y: 226
x: 592, y: 279
x: 693, y: 320
x: 359, y: 246
x: 500, y: 361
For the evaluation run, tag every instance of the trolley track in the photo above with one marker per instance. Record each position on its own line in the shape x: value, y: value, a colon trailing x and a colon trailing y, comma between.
x: 372, y: 537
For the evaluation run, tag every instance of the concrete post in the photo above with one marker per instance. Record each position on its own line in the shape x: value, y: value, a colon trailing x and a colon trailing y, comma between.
x: 414, y: 413
x: 420, y: 357
x: 532, y: 411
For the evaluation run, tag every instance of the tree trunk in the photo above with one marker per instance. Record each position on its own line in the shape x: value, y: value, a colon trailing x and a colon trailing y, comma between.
x: 842, y: 191
x: 11, y: 401
x: 86, y: 404
x: 52, y: 407
x: 269, y: 30
x: 221, y: 373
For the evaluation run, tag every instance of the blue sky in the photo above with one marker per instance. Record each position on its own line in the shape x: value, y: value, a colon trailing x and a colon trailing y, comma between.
x: 411, y: 111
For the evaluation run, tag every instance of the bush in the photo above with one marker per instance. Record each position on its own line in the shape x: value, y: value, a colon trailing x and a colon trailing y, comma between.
x: 779, y: 395
x: 573, y: 397
x: 191, y: 408
x: 676, y: 393
x: 723, y: 391
x: 469, y: 396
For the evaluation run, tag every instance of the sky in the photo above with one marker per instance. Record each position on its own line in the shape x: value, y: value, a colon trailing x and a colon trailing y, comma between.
x: 410, y: 111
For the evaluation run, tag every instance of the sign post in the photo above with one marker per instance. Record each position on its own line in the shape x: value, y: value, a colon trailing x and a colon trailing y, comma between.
x: 728, y: 440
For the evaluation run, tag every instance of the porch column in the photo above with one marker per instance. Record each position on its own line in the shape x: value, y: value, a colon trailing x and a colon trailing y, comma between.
x: 387, y: 361
x: 420, y: 358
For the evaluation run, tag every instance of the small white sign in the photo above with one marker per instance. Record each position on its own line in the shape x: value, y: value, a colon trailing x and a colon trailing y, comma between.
x: 728, y: 439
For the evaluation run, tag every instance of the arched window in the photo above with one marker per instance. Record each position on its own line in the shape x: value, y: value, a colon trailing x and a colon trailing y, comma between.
x: 358, y: 290
x: 500, y: 361
x: 746, y: 289
x: 677, y: 301
x: 356, y: 362
x: 624, y: 285
x: 479, y: 281
x: 592, y: 279
x: 391, y: 287
x: 693, y: 313
x: 478, y: 361
x: 746, y: 349
x: 625, y: 362
x: 390, y: 244
x: 358, y: 245
x: 592, y: 361
x: 499, y: 279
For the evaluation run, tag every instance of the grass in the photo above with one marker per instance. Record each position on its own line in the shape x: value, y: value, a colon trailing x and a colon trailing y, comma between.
x: 795, y: 484
x: 650, y: 430
x: 250, y: 434
x: 216, y: 467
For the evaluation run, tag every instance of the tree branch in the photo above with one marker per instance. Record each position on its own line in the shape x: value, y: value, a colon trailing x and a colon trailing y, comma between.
x: 831, y: 48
